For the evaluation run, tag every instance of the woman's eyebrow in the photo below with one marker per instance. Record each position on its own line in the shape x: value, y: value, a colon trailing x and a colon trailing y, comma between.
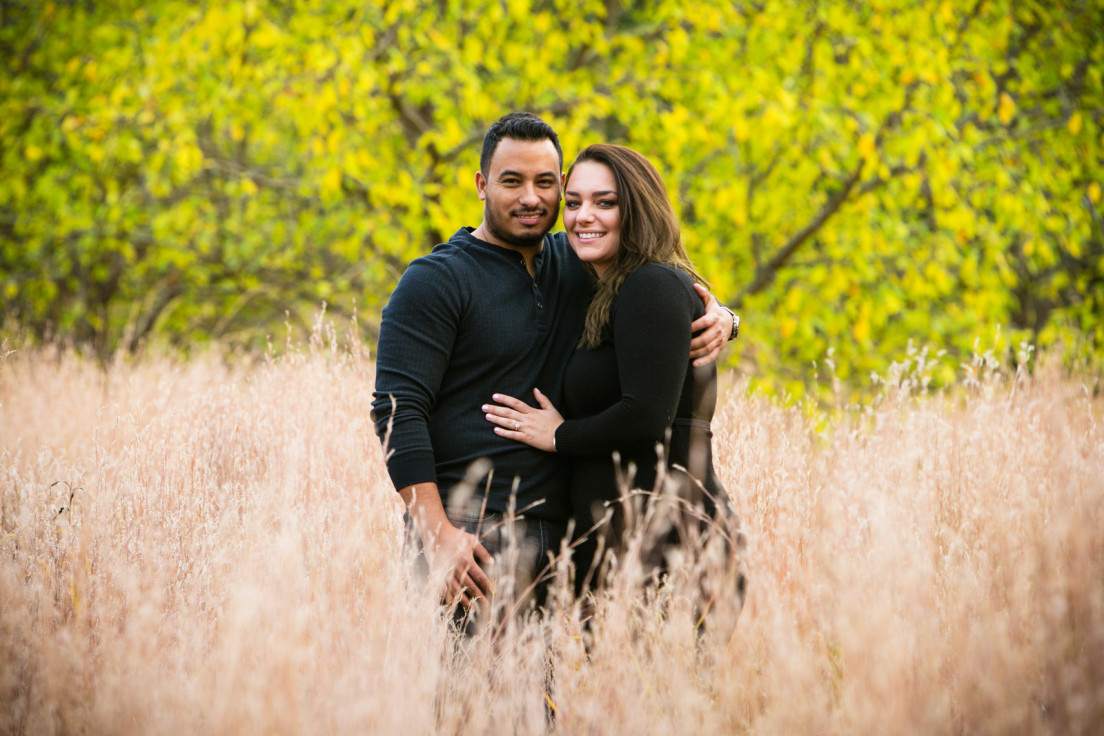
x: 603, y: 193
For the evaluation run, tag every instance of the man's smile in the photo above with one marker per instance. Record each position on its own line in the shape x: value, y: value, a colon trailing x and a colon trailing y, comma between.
x: 530, y: 218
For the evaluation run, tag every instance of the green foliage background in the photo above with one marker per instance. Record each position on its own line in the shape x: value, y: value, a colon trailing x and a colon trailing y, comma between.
x: 852, y: 177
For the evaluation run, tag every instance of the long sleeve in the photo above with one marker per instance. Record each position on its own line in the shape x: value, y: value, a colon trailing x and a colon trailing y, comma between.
x: 416, y: 339
x: 651, y: 335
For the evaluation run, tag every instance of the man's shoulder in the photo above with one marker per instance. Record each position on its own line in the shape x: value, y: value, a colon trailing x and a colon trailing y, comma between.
x: 557, y: 243
x: 457, y: 245
x: 557, y: 240
x: 452, y: 255
x: 559, y: 251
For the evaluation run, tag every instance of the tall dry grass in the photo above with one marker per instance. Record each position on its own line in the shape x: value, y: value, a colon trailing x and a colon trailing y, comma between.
x: 212, y: 546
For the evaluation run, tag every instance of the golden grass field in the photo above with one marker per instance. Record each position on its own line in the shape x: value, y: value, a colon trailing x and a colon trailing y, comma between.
x: 212, y: 546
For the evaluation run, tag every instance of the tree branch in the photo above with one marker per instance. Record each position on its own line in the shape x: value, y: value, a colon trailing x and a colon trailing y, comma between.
x: 765, y: 275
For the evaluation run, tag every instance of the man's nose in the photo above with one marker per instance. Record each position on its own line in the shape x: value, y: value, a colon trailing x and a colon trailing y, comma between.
x: 529, y: 196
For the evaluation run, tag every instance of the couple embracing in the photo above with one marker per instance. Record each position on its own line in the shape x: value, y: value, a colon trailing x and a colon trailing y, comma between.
x: 564, y: 370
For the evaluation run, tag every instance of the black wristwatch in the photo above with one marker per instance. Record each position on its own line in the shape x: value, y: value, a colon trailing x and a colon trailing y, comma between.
x: 735, y: 323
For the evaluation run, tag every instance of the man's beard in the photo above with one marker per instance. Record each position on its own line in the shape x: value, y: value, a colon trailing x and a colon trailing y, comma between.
x: 517, y: 241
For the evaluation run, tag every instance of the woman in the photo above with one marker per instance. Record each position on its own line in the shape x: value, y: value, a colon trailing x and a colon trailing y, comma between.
x: 629, y: 381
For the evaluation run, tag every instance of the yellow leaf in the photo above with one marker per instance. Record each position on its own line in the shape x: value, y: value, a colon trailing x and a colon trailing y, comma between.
x: 1074, y: 124
x: 740, y: 130
x: 793, y: 300
x: 787, y: 327
x: 866, y: 145
x: 1006, y: 108
x: 331, y: 182
x: 1094, y: 193
x: 517, y: 8
x: 770, y: 117
x: 861, y: 329
x: 946, y: 11
x: 739, y: 214
x: 365, y: 160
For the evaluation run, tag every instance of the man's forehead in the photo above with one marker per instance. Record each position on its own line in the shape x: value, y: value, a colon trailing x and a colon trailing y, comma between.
x: 530, y: 157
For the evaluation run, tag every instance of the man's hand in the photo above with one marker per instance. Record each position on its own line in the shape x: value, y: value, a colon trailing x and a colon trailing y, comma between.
x: 715, y: 326
x: 457, y: 556
x: 454, y: 555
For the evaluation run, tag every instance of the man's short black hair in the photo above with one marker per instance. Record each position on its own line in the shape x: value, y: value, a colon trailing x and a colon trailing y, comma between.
x: 520, y: 126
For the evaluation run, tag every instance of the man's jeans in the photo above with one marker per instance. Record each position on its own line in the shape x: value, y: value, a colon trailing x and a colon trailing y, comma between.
x: 522, y: 548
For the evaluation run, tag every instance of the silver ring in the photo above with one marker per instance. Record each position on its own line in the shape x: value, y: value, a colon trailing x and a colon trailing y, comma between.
x: 517, y: 425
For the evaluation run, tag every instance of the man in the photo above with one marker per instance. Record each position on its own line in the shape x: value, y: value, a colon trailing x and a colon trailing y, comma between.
x: 497, y: 308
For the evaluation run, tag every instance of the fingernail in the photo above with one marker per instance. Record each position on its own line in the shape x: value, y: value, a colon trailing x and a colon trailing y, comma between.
x: 485, y: 408
x: 496, y: 397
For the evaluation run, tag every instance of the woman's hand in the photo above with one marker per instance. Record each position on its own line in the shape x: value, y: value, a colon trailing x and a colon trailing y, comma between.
x: 517, y: 420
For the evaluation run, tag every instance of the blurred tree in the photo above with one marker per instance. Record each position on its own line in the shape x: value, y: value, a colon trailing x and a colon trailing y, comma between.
x: 852, y: 176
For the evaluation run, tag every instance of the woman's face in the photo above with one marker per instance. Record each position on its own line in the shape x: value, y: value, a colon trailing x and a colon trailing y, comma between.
x: 592, y: 215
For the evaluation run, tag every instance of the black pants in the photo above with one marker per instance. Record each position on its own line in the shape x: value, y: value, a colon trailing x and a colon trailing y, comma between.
x: 522, y: 548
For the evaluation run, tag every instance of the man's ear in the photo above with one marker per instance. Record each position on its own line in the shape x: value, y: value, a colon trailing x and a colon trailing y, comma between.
x: 481, y: 185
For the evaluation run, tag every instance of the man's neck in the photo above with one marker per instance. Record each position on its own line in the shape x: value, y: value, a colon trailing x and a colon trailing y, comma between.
x: 529, y: 253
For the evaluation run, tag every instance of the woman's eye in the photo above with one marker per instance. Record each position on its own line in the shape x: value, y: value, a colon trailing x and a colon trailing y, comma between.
x: 570, y: 205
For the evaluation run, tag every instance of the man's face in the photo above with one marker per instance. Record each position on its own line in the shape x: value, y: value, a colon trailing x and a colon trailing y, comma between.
x: 521, y: 192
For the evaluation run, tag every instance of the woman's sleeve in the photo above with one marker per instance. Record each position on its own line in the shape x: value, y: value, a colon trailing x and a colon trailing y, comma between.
x: 651, y: 326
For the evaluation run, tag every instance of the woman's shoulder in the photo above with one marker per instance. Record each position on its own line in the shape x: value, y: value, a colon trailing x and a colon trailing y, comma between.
x: 659, y: 277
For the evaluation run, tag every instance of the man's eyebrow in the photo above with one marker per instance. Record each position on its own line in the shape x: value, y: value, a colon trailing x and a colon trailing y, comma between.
x: 519, y: 175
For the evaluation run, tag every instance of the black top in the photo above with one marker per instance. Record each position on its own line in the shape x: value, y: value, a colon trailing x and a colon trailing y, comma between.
x: 464, y: 322
x: 624, y: 394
